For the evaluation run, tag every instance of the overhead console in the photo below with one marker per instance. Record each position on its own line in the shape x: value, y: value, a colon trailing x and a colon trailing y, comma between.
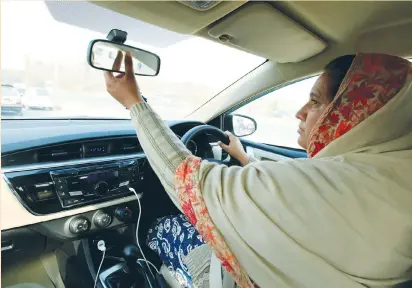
x: 71, y: 184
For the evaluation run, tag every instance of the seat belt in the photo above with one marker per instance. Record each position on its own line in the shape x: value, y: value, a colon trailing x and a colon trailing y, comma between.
x: 228, y: 281
x: 215, y: 275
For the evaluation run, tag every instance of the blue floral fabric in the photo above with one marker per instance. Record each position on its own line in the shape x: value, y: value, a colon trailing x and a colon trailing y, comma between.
x: 172, y: 237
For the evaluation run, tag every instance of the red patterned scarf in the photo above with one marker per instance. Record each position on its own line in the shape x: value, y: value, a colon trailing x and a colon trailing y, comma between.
x: 371, y: 82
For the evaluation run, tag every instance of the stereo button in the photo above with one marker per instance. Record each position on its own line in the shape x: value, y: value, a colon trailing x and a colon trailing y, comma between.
x: 76, y: 193
x: 61, y: 193
x: 69, y: 202
x: 101, y: 188
x: 61, y: 186
x: 61, y: 189
x: 61, y: 181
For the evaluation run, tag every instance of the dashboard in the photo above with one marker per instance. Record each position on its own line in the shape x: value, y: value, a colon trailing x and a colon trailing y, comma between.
x: 76, y: 172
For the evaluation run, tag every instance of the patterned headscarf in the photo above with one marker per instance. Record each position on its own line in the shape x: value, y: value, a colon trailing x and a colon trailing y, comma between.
x: 371, y: 82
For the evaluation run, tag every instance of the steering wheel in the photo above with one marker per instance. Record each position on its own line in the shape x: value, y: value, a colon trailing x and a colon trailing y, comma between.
x: 207, y: 129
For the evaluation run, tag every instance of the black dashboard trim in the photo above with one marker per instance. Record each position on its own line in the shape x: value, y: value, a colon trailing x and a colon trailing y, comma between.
x: 78, y: 141
x: 95, y: 160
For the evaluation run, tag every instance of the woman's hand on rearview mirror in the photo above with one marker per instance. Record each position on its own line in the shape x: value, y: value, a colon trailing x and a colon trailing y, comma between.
x: 123, y: 87
x: 235, y: 149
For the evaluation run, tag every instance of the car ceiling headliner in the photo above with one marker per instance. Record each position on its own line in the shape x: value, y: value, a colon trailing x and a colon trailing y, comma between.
x: 333, y: 21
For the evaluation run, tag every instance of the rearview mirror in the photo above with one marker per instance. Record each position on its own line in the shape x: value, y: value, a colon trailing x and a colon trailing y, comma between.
x: 102, y: 53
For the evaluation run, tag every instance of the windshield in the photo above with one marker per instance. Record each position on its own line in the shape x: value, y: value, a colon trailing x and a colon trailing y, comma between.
x: 42, y: 92
x: 46, y: 56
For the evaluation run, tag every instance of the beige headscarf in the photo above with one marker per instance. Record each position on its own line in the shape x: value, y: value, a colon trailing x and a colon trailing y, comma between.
x: 341, y: 218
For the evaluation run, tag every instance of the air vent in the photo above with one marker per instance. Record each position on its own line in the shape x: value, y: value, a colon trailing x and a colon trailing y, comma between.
x: 19, y: 158
x: 125, y: 146
x: 60, y: 153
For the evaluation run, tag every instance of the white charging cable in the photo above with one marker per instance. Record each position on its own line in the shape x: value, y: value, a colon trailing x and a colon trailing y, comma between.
x: 137, y: 233
x: 101, y: 245
x: 154, y: 267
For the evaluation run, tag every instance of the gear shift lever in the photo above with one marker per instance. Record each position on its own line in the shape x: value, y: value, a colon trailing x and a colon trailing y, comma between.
x: 131, y: 253
x: 132, y: 274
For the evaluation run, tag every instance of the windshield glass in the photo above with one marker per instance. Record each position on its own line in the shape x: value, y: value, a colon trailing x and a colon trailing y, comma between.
x: 46, y: 56
x: 42, y: 92
x: 9, y: 91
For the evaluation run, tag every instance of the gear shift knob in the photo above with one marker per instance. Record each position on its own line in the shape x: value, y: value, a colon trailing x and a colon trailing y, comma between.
x: 132, y: 273
x: 131, y: 253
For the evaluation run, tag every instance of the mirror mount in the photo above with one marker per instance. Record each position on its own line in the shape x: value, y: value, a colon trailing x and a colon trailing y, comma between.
x: 117, y: 36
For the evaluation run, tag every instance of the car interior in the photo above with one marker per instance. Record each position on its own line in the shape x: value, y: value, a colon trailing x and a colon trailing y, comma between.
x: 77, y: 188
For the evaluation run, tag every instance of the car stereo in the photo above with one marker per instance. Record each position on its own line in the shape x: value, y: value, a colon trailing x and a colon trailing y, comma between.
x: 81, y: 185
x: 53, y: 189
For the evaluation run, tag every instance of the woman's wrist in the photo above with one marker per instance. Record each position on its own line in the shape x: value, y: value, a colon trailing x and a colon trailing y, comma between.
x: 243, y: 159
x: 133, y: 101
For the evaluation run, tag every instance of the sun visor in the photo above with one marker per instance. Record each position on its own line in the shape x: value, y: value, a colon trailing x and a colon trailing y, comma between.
x: 261, y: 29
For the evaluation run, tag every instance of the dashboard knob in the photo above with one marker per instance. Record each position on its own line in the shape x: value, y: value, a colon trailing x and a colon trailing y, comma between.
x: 79, y: 225
x: 123, y: 214
x: 101, y: 188
x: 102, y: 219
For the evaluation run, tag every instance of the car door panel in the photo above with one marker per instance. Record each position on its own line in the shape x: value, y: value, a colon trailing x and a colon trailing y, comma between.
x: 260, y: 151
x: 263, y: 155
x: 269, y: 152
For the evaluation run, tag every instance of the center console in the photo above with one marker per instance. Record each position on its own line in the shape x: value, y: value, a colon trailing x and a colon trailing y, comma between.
x: 132, y: 272
x: 44, y: 190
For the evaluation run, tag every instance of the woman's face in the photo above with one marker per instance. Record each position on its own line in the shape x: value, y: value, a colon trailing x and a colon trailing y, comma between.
x: 311, y: 111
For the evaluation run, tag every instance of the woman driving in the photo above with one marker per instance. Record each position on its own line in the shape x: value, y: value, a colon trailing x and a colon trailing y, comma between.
x: 341, y: 218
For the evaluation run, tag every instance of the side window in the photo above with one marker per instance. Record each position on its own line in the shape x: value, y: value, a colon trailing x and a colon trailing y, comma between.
x: 275, y: 112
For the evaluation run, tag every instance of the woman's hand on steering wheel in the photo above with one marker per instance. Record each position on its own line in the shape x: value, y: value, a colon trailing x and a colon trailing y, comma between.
x: 235, y: 149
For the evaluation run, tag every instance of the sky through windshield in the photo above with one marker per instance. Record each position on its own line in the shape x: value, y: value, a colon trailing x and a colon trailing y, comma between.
x: 43, y: 53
